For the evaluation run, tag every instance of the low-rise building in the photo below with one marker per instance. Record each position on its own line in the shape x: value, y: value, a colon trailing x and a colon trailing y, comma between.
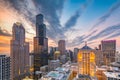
x: 60, y: 73
x: 83, y: 77
x: 111, y: 75
x: 53, y: 64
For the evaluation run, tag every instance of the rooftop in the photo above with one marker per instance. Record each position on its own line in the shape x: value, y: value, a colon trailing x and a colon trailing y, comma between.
x: 86, y: 48
x: 55, y: 74
x: 18, y: 24
x: 109, y: 41
x: 113, y: 74
x: 54, y: 60
x: 60, y: 73
x: 60, y: 69
x: 84, y: 77
x: 117, y: 64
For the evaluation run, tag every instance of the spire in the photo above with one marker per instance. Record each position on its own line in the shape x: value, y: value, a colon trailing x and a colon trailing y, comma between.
x: 86, y: 47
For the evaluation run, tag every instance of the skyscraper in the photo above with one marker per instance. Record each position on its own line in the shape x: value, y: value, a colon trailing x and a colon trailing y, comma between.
x: 19, y: 53
x: 40, y: 41
x: 61, y: 46
x: 108, y: 48
x: 40, y: 44
x: 4, y: 67
x: 86, y: 61
x: 75, y: 54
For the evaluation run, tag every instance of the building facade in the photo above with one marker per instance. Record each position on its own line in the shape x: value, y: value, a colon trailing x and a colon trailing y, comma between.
x: 108, y: 48
x: 40, y: 44
x: 117, y: 57
x: 19, y: 53
x: 86, y: 61
x: 61, y: 46
x: 4, y: 67
x: 75, y: 54
x: 99, y: 57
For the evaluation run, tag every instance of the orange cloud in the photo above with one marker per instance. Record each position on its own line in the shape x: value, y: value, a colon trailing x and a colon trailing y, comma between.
x: 51, y: 42
x: 5, y: 44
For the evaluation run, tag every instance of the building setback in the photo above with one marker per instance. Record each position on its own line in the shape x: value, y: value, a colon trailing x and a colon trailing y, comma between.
x: 4, y: 67
x: 19, y: 53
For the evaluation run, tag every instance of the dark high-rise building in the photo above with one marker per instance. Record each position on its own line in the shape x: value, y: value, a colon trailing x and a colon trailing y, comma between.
x: 40, y: 44
x: 40, y: 26
x: 40, y: 41
x: 108, y: 48
x: 4, y: 67
x: 75, y: 54
x: 52, y: 51
x: 61, y: 46
x: 19, y: 53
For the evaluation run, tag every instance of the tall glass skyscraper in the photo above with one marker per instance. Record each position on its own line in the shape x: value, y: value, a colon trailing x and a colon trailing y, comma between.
x: 40, y: 41
x: 19, y: 53
x: 40, y: 45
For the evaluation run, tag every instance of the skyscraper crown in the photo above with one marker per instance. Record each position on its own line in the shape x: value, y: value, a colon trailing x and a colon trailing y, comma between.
x: 39, y: 19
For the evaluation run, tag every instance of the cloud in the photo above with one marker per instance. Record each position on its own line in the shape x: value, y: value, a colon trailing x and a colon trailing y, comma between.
x: 103, y: 18
x: 26, y: 10
x: 92, y: 37
x: 77, y: 41
x: 4, y: 33
x: 106, y: 32
x: 96, y: 34
x: 73, y: 19
x: 80, y: 39
x: 51, y: 9
x: 115, y: 34
x: 4, y: 44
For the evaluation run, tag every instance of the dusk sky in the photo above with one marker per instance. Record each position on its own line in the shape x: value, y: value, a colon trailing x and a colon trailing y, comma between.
x: 76, y: 21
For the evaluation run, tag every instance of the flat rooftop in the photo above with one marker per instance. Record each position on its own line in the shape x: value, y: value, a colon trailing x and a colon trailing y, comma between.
x: 55, y: 75
x: 115, y: 75
x: 60, y: 73
x: 61, y: 69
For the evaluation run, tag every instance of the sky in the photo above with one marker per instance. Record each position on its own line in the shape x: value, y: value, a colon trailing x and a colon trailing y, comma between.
x: 75, y: 21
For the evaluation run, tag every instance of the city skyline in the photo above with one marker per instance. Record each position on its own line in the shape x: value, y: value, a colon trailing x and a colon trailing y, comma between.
x: 90, y: 20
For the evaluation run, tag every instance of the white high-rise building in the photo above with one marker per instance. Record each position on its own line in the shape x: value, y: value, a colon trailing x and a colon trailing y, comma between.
x: 4, y: 67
